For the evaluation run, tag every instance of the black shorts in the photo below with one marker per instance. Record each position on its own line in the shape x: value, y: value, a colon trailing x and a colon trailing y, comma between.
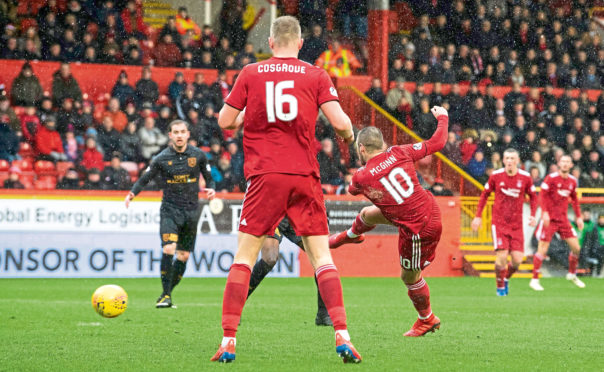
x: 179, y: 226
x: 286, y: 230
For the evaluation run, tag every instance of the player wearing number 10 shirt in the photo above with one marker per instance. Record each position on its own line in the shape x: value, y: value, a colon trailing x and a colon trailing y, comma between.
x: 389, y: 181
x: 278, y: 101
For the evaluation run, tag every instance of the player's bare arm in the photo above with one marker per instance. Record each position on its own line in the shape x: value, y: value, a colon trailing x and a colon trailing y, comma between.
x: 339, y: 120
x: 230, y: 117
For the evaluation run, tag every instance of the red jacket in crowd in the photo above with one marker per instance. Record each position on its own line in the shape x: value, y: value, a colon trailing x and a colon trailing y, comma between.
x: 137, y: 17
x: 30, y: 125
x: 48, y: 141
x: 166, y: 55
x: 92, y: 158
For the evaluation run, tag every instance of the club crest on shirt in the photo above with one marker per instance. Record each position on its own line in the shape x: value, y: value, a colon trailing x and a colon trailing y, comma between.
x: 417, y: 146
x: 519, y: 184
x: 192, y: 162
x: 333, y: 91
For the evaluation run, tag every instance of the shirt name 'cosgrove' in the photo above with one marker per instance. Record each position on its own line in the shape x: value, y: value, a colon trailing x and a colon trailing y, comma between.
x: 282, y: 67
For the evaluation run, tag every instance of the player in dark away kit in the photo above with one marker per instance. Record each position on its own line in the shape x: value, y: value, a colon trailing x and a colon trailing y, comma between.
x: 180, y: 166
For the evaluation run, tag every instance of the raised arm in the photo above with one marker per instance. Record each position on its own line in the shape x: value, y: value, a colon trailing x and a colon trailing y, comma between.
x: 438, y: 139
x: 230, y: 117
x: 338, y: 120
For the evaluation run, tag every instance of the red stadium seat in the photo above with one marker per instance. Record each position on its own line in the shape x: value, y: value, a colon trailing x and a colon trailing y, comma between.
x: 4, y: 165
x: 24, y: 164
x: 45, y: 168
x: 62, y: 168
x: 25, y: 150
x: 27, y: 179
x: 45, y: 183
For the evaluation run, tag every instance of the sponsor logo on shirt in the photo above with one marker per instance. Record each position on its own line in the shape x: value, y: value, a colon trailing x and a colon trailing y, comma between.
x: 417, y: 146
x: 564, y: 193
x: 514, y: 193
x: 333, y: 91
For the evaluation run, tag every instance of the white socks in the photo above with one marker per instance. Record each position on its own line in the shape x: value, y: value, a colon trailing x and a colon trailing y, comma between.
x: 344, y: 334
x: 225, y: 341
x: 351, y: 234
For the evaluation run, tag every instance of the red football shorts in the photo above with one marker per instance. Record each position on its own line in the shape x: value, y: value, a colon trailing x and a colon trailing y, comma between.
x: 563, y: 228
x: 417, y: 251
x: 508, y: 240
x: 271, y: 196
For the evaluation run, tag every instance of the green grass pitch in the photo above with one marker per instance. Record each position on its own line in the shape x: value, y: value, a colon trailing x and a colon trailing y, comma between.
x: 50, y: 325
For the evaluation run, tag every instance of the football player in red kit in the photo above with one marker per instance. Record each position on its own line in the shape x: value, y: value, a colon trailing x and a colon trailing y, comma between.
x: 390, y: 182
x: 278, y: 101
x: 510, y: 185
x: 556, y: 188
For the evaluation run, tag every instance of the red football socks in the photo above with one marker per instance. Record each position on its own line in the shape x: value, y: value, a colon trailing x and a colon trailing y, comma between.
x: 500, y: 273
x: 419, y: 293
x: 537, y: 261
x: 360, y: 227
x: 235, y: 294
x: 573, y: 261
x: 511, y: 270
x: 330, y: 288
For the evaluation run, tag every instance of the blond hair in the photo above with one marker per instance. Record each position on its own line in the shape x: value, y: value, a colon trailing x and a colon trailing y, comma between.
x: 371, y: 138
x: 285, y: 30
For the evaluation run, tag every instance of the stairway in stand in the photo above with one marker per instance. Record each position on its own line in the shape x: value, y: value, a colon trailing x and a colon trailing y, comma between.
x: 479, y: 260
x: 156, y: 13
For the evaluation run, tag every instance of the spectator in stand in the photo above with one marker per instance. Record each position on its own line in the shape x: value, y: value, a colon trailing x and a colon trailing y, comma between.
x: 9, y: 143
x: 118, y: 118
x: 375, y: 93
x: 64, y: 85
x: 478, y: 115
x: 30, y: 124
x: 468, y: 145
x: 353, y: 15
x: 71, y: 180
x: 166, y: 53
x: 314, y: 45
x: 114, y: 177
x: 423, y: 125
x: 68, y: 118
x: 147, y: 90
x: 222, y: 52
x: 122, y: 90
x: 438, y: 188
x: 177, y: 87
x: 132, y: 19
x: 452, y: 149
x: 8, y: 116
x: 152, y: 139
x: 130, y: 143
x: 26, y: 89
x: 536, y: 162
x: 108, y: 138
x: 164, y: 118
x: 593, y: 178
x: 248, y: 52
x: 201, y: 89
x: 13, y: 182
x: 187, y: 101
x: 170, y: 29
x: 185, y: 23
x: 477, y: 166
x: 231, y: 23
x: 329, y: 58
x: 394, y: 95
x: 210, y: 130
x: 236, y: 164
x: 48, y: 141
x: 11, y: 50
x: 330, y: 167
x: 71, y: 147
x: 93, y: 180
x: 91, y: 156
x: 133, y: 57
x: 219, y: 90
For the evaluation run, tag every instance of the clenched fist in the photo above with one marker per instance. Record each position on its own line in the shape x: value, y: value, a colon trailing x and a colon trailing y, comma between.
x: 438, y: 111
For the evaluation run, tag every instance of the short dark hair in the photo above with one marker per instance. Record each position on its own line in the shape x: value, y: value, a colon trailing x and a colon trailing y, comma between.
x: 371, y: 138
x: 178, y: 122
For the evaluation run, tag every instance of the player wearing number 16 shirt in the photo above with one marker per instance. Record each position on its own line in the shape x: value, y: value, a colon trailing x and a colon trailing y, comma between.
x: 277, y: 101
x: 389, y: 181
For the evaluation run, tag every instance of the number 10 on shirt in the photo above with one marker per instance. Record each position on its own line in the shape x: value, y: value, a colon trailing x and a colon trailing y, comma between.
x: 275, y: 99
x: 394, y: 187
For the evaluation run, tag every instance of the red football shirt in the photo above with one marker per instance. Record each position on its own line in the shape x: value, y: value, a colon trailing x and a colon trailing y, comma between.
x: 555, y: 192
x: 281, y: 97
x: 390, y: 181
x: 509, y: 197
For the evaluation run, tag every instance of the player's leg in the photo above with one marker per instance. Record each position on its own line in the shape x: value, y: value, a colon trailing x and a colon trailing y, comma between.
x: 516, y: 248
x: 168, y: 230
x: 269, y: 257
x: 186, y: 244
x: 544, y: 234
x: 573, y: 261
x: 517, y: 258
x: 501, y: 265
x: 419, y: 294
x: 365, y: 221
x: 307, y: 215
x: 265, y: 203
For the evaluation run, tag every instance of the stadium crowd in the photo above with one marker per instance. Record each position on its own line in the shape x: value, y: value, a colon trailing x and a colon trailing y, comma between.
x: 480, y: 44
